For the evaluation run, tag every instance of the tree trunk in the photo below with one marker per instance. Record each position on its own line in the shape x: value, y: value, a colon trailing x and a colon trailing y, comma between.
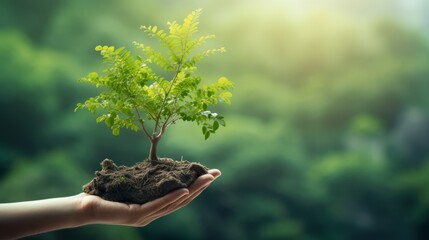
x: 153, y: 144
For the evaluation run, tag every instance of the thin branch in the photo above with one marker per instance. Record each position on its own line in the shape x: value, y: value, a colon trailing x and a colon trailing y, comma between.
x: 186, y: 40
x: 161, y: 131
x: 183, y: 43
x: 142, y: 123
x: 165, y: 122
x: 164, y: 126
x: 173, y: 121
x: 150, y: 114
x: 165, y: 99
x: 144, y: 129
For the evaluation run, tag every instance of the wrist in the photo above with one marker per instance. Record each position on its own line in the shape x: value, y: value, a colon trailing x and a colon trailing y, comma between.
x: 84, y: 210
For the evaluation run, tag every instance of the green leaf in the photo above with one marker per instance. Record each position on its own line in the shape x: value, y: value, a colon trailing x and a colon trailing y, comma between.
x: 115, y: 131
x: 215, y: 125
x: 207, y: 135
x: 100, y: 118
x: 222, y: 121
x: 109, y: 121
x: 225, y: 96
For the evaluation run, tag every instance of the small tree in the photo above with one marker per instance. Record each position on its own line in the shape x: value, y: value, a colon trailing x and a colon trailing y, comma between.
x: 135, y: 94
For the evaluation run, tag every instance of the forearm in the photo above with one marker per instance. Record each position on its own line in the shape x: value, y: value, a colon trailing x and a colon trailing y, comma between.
x: 27, y: 218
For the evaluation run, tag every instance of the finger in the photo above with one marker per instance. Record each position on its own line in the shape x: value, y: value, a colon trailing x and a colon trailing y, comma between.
x: 174, y: 207
x: 194, y: 190
x: 198, y: 186
x: 154, y: 206
x: 161, y: 211
x: 215, y: 173
x: 191, y: 197
x: 199, y: 183
x: 147, y: 210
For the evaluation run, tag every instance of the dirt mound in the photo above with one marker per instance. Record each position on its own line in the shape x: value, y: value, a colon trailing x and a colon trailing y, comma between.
x: 143, y: 182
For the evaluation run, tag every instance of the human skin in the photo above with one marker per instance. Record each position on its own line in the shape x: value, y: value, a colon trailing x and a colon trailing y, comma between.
x: 22, y: 219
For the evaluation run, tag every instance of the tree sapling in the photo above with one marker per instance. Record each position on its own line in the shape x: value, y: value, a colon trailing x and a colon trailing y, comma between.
x: 150, y: 94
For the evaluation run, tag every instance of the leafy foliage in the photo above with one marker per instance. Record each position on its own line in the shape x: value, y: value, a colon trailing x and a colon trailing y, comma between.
x: 132, y: 87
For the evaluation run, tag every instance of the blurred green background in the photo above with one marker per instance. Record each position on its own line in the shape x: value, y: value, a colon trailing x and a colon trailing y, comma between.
x: 327, y: 136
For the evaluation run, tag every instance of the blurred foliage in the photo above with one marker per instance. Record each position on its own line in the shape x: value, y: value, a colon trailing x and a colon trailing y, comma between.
x: 327, y: 136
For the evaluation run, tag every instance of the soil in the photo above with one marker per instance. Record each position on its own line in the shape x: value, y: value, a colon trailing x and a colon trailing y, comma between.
x: 143, y: 182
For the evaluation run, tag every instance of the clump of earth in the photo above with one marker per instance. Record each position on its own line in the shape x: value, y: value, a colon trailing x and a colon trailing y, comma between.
x: 143, y: 182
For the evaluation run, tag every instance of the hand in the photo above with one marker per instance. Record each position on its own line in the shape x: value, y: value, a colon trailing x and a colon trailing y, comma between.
x: 22, y: 219
x: 98, y: 210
